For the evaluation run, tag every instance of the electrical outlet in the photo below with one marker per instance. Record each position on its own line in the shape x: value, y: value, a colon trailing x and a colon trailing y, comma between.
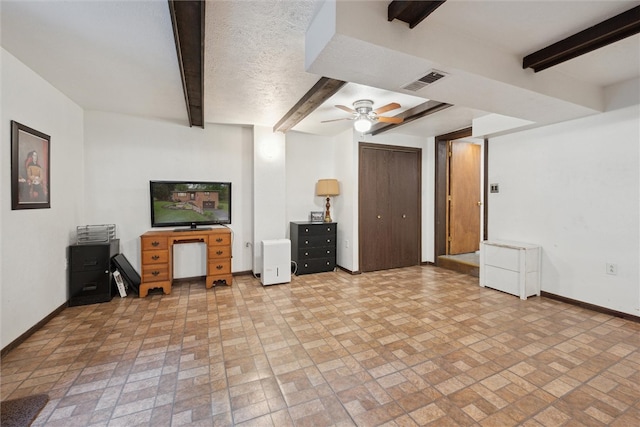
x: 346, y: 244
x: 494, y: 188
x: 612, y: 269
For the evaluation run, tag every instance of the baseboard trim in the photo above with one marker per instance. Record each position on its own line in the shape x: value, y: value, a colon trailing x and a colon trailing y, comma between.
x: 22, y: 338
x: 593, y: 307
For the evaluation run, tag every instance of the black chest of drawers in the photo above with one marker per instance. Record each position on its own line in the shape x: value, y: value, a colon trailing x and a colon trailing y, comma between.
x: 313, y: 246
x: 90, y: 272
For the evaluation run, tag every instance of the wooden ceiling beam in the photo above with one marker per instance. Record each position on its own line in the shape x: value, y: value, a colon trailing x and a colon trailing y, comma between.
x: 612, y: 30
x: 324, y: 89
x: 411, y: 12
x: 188, y: 18
x: 415, y: 113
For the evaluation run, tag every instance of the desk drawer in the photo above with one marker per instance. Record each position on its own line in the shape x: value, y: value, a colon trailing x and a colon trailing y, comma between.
x: 219, y: 252
x: 155, y: 257
x: 220, y: 240
x: 150, y: 243
x: 155, y: 273
x: 222, y: 266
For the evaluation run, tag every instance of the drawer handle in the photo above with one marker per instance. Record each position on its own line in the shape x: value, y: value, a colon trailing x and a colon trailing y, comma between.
x: 328, y: 262
x: 328, y: 240
x: 155, y: 273
x: 328, y: 228
x: 155, y: 257
x: 306, y: 242
x: 219, y: 253
x: 219, y: 239
x: 306, y: 265
x: 219, y: 267
x: 155, y: 243
x: 306, y: 254
x: 306, y: 230
x: 328, y: 252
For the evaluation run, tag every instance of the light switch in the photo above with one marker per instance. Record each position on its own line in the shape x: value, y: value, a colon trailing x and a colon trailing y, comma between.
x: 494, y: 188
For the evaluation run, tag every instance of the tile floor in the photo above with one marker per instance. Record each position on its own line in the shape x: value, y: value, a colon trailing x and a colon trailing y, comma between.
x: 415, y: 346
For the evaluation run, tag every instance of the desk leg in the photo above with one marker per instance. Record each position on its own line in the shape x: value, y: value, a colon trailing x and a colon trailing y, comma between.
x: 145, y: 287
x: 211, y: 280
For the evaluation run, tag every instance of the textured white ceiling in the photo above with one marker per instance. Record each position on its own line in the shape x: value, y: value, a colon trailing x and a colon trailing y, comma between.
x: 119, y: 56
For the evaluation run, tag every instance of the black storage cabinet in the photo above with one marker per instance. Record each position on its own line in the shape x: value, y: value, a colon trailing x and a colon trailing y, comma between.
x: 90, y: 272
x: 313, y: 246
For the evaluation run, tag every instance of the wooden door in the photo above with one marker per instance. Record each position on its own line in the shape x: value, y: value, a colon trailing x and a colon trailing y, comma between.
x: 464, y: 197
x: 405, y: 208
x: 375, y: 232
x: 389, y: 214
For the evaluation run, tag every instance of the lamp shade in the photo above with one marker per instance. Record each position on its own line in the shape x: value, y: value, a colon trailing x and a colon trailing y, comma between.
x: 327, y: 187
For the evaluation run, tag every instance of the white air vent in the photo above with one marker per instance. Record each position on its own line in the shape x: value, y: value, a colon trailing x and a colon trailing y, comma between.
x: 431, y: 77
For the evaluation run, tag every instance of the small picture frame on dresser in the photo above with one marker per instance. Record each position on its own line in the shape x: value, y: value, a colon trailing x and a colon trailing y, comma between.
x: 316, y: 216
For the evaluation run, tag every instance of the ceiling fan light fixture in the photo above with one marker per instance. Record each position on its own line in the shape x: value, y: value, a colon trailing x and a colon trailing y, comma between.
x: 362, y: 124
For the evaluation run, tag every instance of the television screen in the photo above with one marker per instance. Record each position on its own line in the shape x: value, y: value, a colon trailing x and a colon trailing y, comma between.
x: 190, y: 203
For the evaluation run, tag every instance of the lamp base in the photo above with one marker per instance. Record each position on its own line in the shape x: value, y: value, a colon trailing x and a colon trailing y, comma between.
x: 327, y: 214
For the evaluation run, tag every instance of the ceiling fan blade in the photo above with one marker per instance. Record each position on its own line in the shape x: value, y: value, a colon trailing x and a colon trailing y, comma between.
x: 390, y: 119
x: 345, y: 108
x: 385, y: 108
x: 336, y: 120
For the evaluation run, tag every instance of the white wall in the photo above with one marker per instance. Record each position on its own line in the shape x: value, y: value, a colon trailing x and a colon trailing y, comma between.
x: 123, y: 153
x: 269, y: 190
x: 309, y: 158
x: 574, y: 188
x: 33, y: 278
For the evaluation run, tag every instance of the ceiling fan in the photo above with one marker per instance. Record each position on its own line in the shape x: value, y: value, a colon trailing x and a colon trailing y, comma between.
x: 365, y: 116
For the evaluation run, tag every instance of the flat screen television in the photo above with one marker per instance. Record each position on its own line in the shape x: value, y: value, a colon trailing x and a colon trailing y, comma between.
x: 190, y: 203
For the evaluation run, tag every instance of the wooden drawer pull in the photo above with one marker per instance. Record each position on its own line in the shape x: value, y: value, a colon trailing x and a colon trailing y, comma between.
x: 219, y: 239
x: 155, y: 273
x: 155, y: 257
x: 155, y: 243
x: 219, y: 253
x: 219, y: 267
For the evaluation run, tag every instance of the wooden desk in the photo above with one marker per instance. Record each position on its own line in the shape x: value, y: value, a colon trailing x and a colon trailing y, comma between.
x: 156, y: 259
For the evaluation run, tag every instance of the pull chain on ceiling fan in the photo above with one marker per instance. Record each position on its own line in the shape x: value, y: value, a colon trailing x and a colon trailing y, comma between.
x: 364, y: 116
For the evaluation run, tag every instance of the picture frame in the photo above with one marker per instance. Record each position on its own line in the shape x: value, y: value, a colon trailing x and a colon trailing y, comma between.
x: 317, y: 216
x: 30, y: 168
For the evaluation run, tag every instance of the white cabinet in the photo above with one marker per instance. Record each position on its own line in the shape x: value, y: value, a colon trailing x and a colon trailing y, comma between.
x: 511, y: 267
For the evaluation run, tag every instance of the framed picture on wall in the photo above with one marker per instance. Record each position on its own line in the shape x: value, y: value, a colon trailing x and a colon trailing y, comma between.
x: 317, y: 216
x: 30, y: 164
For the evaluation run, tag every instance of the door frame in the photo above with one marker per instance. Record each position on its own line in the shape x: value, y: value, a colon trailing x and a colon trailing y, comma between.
x: 440, y: 197
x: 387, y: 147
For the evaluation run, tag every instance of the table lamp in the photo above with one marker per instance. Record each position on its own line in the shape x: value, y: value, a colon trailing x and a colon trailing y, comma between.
x: 327, y: 188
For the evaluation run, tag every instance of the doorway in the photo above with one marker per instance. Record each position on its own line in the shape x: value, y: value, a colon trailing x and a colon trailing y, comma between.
x: 459, y: 206
x: 389, y: 206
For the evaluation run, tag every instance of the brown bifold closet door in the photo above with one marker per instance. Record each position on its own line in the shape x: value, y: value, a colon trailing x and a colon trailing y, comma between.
x: 390, y: 206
